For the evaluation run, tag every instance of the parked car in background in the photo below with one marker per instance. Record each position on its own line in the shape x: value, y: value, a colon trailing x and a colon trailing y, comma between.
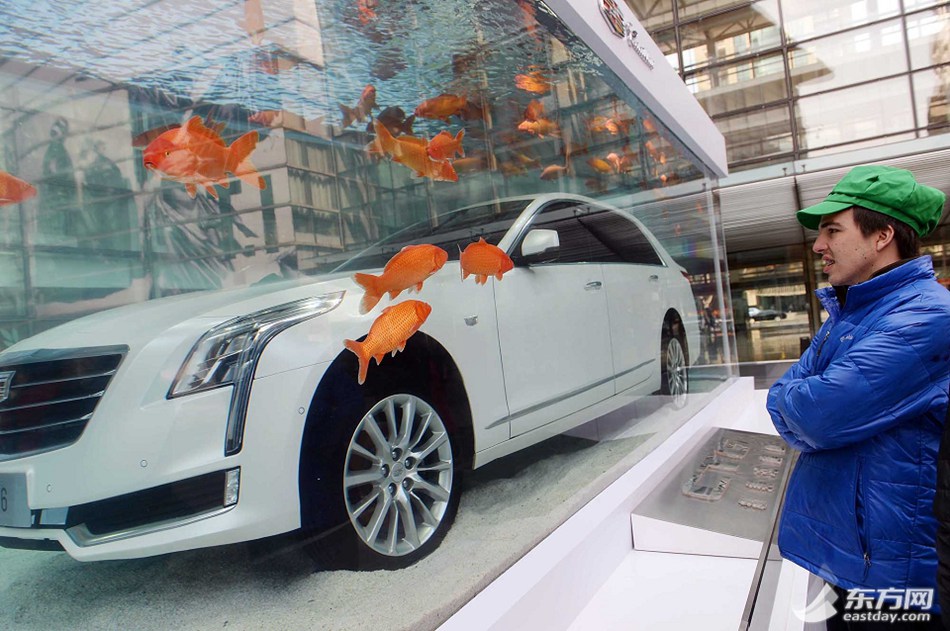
x: 766, y: 314
x: 226, y: 416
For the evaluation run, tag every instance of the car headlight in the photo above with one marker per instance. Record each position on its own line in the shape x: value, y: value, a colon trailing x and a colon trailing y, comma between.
x: 221, y: 355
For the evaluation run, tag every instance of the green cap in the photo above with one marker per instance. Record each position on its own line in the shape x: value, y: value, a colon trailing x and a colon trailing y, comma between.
x: 893, y: 192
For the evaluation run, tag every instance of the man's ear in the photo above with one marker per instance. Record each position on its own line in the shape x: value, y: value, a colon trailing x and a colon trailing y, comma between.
x: 884, y: 238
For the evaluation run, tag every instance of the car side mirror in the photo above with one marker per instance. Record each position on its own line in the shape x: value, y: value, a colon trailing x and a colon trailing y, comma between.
x: 540, y: 245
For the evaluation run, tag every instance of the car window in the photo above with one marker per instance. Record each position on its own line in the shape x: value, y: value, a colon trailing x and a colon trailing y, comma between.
x: 577, y: 245
x: 620, y: 240
x: 451, y: 231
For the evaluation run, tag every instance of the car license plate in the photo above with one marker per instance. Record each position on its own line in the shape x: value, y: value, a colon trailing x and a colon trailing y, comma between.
x: 14, y: 509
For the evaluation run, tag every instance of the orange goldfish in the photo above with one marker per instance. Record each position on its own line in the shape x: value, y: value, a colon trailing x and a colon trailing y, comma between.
x: 600, y: 165
x: 363, y: 108
x: 411, y: 151
x: 534, y: 111
x: 648, y: 126
x: 483, y: 260
x: 470, y: 165
x: 444, y: 146
x: 389, y: 333
x: 553, y: 172
x: 441, y: 107
x: 407, y: 269
x: 196, y: 156
x: 533, y: 81
x: 540, y: 128
x: 367, y: 10
x: 13, y: 190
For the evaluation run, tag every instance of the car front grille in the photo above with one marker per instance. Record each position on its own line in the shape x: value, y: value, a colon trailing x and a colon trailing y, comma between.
x: 48, y: 396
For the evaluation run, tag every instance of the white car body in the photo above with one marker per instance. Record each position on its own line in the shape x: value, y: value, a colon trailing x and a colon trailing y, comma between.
x: 542, y: 350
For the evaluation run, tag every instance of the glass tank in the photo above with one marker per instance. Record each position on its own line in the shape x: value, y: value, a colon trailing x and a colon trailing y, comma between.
x: 329, y: 285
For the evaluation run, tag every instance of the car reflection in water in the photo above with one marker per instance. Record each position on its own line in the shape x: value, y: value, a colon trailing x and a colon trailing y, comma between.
x: 226, y: 416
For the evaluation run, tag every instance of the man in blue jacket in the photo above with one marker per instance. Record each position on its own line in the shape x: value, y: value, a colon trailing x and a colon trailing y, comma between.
x: 866, y: 402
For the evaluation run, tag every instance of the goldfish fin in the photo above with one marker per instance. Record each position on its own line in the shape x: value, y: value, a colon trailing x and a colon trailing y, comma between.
x: 418, y: 287
x: 481, y: 279
x: 358, y: 349
x: 192, y: 190
x: 371, y: 294
x: 458, y: 139
x: 402, y: 346
x: 239, y: 163
x: 393, y: 293
x: 379, y: 358
x: 395, y: 350
x: 498, y: 275
x: 211, y: 191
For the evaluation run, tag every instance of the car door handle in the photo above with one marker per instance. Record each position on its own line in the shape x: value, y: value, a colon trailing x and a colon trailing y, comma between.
x: 594, y: 284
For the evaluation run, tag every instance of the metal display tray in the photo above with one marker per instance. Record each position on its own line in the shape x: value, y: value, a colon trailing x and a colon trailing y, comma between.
x: 729, y: 485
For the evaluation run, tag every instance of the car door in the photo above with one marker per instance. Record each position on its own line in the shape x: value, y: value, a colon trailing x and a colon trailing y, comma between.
x: 633, y: 279
x: 553, y: 327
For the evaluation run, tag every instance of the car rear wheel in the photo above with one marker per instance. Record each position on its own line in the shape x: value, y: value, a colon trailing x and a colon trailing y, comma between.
x: 675, y: 365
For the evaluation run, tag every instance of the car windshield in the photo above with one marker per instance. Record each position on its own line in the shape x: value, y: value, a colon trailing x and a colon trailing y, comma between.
x: 451, y: 231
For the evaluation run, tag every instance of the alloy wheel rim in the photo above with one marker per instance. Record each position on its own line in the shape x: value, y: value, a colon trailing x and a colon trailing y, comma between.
x: 676, y: 370
x: 397, y: 476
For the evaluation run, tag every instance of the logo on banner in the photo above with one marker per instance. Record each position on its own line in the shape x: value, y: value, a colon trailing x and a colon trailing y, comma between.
x: 624, y: 29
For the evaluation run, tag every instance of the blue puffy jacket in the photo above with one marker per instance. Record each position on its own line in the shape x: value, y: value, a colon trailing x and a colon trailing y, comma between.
x: 865, y: 405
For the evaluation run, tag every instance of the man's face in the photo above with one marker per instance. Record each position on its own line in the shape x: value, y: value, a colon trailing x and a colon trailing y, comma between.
x: 847, y: 256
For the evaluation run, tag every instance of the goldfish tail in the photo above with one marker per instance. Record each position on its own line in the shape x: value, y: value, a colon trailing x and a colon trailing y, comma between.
x: 349, y: 115
x: 372, y: 292
x: 458, y: 139
x: 360, y: 352
x: 239, y: 161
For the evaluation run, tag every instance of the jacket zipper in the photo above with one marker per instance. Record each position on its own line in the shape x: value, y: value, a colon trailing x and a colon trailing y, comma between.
x: 822, y: 345
x: 863, y: 538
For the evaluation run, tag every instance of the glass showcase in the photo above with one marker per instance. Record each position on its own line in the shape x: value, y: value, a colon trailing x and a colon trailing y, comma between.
x: 396, y: 284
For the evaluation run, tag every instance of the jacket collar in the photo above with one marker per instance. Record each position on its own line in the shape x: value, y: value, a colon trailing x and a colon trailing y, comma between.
x: 877, y: 286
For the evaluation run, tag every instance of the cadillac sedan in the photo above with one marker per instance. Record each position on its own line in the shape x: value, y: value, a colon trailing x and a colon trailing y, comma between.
x: 227, y: 416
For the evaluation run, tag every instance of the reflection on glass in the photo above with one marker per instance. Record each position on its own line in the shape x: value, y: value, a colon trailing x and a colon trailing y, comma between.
x: 805, y: 19
x: 740, y: 85
x: 666, y: 42
x: 692, y: 8
x: 770, y: 303
x: 757, y: 134
x: 851, y: 146
x: 854, y: 114
x: 846, y: 58
x: 932, y: 95
x: 928, y: 36
x: 725, y: 36
x: 653, y: 14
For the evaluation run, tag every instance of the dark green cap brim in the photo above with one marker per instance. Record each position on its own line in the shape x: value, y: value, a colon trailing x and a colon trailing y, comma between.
x: 811, y: 217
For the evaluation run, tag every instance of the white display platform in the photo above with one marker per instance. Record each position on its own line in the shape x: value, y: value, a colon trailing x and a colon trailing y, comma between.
x: 586, y: 574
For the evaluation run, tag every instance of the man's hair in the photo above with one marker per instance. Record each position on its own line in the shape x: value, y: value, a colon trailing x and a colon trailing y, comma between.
x: 870, y: 221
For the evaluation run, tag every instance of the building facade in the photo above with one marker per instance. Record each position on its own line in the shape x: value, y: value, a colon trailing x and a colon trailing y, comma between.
x: 802, y: 91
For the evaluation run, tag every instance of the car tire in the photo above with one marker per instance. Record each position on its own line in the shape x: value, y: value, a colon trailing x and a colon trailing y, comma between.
x: 674, y: 363
x: 388, y: 482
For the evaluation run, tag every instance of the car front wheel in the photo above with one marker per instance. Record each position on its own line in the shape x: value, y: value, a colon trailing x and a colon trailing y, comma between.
x: 398, y: 480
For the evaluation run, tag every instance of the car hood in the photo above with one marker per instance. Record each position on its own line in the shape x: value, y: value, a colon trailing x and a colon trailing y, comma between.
x: 136, y: 324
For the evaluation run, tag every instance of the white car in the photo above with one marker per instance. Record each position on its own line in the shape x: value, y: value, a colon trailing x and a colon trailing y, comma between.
x: 226, y: 416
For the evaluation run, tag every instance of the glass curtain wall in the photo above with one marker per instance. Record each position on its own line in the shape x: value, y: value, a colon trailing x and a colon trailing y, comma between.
x: 788, y: 80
